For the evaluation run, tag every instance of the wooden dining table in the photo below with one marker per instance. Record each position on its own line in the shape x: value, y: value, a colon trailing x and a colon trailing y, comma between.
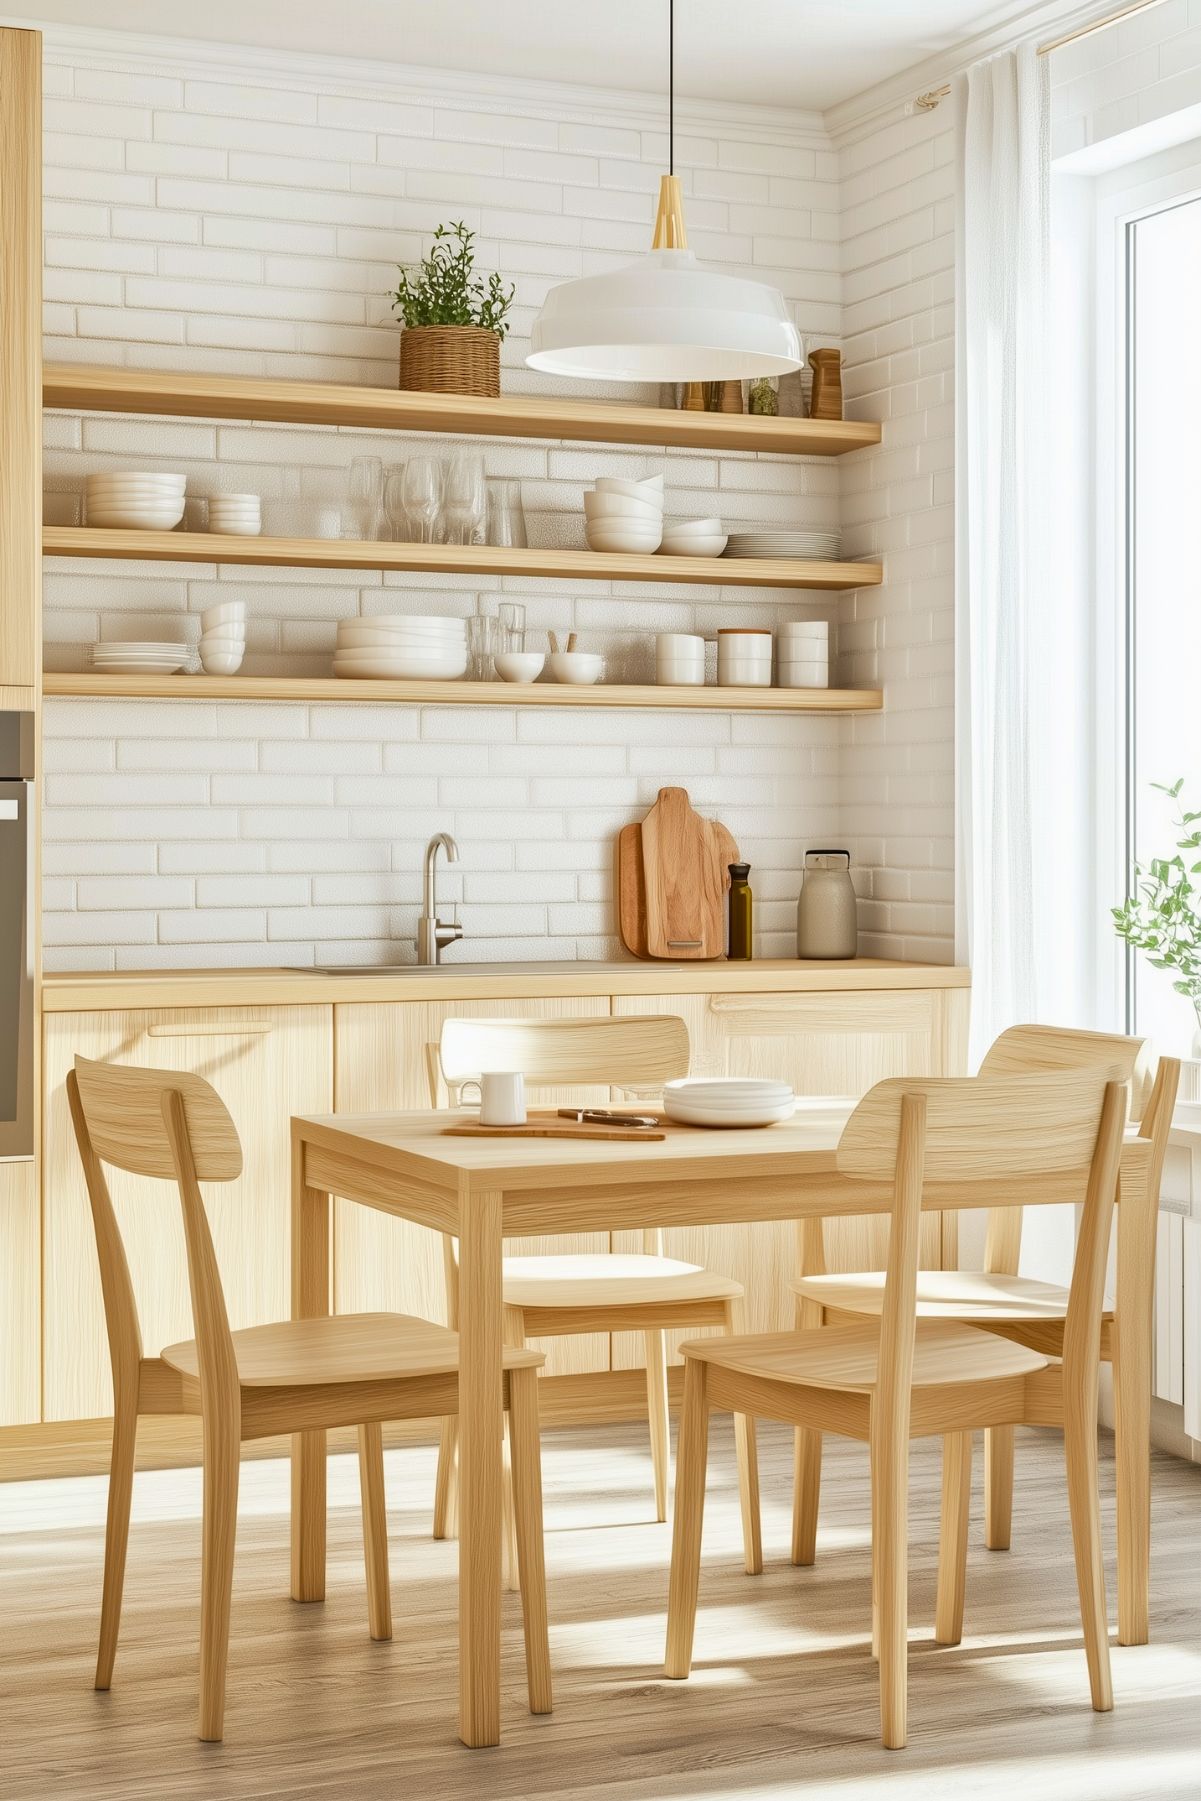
x: 483, y: 1190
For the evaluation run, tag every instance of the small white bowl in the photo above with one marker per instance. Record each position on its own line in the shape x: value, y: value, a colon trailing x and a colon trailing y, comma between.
x: 435, y: 621
x: 650, y: 489
x: 104, y: 480
x: 223, y: 640
x: 224, y: 614
x: 221, y: 662
x: 519, y: 665
x: 236, y: 528
x: 699, y: 528
x: 673, y: 546
x: 620, y: 506
x: 626, y: 538
x: 235, y: 500
x: 579, y: 667
x: 124, y: 521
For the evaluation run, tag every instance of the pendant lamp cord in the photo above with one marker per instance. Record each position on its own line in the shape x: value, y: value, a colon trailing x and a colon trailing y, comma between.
x: 671, y: 87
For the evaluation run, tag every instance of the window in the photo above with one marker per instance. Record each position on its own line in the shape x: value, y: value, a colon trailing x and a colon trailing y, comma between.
x: 1149, y: 495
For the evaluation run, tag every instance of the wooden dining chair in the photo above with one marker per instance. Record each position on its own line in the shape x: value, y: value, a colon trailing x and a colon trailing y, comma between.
x: 294, y: 1376
x: 995, y: 1297
x: 894, y: 1378
x: 551, y: 1296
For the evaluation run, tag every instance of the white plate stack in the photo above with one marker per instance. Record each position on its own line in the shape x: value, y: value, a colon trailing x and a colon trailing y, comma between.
x: 402, y: 647
x: 808, y: 547
x: 236, y: 515
x: 728, y: 1101
x: 803, y: 654
x: 135, y: 500
x: 223, y: 640
x: 139, y: 656
x: 624, y: 516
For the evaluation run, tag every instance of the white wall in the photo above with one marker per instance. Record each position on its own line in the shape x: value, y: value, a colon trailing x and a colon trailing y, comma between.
x: 216, y: 211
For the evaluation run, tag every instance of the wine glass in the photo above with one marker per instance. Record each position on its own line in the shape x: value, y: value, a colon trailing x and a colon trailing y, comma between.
x: 394, y: 502
x: 465, y: 498
x: 421, y: 496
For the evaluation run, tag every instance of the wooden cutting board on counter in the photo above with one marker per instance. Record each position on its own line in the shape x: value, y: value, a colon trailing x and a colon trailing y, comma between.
x: 684, y: 878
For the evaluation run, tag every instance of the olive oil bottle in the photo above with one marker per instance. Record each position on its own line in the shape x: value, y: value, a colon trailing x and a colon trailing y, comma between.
x: 741, y: 942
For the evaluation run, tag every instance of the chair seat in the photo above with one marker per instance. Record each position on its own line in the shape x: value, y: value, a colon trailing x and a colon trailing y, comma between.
x: 949, y: 1294
x: 844, y: 1357
x: 350, y: 1347
x: 606, y: 1280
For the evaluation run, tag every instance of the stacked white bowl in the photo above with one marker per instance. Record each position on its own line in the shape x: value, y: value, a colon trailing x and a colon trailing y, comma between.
x: 693, y: 538
x: 402, y: 647
x: 223, y: 640
x: 803, y: 654
x: 135, y: 500
x: 679, y: 660
x: 728, y: 1101
x: 744, y: 658
x: 237, y: 515
x: 624, y: 516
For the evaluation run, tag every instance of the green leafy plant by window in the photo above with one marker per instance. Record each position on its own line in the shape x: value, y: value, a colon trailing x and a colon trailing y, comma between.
x: 444, y: 289
x: 1162, y: 917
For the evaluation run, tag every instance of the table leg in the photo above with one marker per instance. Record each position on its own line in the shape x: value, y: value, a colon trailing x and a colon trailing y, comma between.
x: 1132, y: 1405
x: 481, y: 1421
x: 310, y: 1300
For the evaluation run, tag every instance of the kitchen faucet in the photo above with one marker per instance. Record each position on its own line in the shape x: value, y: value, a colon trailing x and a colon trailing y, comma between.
x: 432, y: 933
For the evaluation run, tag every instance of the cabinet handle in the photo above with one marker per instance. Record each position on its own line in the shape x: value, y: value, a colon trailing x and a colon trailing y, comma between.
x: 249, y: 1028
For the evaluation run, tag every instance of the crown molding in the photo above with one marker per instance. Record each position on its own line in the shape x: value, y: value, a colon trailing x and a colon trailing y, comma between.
x: 1000, y: 29
x: 200, y: 59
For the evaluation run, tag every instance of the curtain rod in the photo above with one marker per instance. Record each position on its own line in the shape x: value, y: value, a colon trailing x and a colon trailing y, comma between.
x: 926, y: 103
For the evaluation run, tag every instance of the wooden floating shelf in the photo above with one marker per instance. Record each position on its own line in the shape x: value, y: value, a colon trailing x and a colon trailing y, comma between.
x: 384, y: 409
x: 495, y: 694
x: 454, y: 559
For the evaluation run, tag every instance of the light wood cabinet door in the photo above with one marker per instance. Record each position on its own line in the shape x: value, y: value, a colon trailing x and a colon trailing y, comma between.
x: 20, y: 1295
x: 267, y: 1063
x: 380, y: 1065
x: 821, y: 1044
x: 20, y: 366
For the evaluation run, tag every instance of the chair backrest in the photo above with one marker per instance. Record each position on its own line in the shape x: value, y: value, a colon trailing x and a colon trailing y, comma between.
x: 636, y: 1051
x: 1058, y: 1135
x: 1027, y: 1050
x: 167, y: 1124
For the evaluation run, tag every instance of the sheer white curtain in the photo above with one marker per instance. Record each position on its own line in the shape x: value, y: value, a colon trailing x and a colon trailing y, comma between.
x: 1001, y: 529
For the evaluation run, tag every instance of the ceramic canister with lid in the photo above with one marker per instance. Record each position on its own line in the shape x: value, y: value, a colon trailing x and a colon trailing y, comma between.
x: 744, y: 657
x: 827, y: 924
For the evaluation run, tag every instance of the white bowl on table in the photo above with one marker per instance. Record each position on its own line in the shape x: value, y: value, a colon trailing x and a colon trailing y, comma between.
x: 728, y: 1102
x: 519, y: 665
x: 579, y: 667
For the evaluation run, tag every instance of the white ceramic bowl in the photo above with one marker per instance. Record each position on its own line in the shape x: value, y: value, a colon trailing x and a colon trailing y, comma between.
x: 795, y: 678
x: 383, y: 642
x: 700, y: 528
x: 744, y: 675
x: 221, y: 662
x: 129, y: 479
x: 236, y: 528
x: 650, y: 489
x: 672, y: 546
x: 680, y: 675
x: 730, y: 1119
x: 411, y: 666
x: 519, y: 665
x: 624, y: 537
x: 145, y: 519
x: 226, y: 613
x: 620, y: 506
x: 235, y: 500
x: 399, y: 621
x: 579, y: 667
x: 223, y: 640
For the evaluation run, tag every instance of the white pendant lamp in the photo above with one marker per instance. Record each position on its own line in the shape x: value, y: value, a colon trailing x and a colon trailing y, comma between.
x: 665, y: 317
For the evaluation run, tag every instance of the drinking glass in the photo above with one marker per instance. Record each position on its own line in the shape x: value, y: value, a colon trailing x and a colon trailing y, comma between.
x: 394, y: 502
x: 510, y: 626
x: 506, y: 515
x: 365, y: 500
x: 481, y: 646
x: 421, y: 497
x: 464, y: 498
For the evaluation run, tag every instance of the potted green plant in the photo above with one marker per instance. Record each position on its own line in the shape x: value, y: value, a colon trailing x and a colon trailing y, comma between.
x: 453, y: 319
x: 1162, y: 916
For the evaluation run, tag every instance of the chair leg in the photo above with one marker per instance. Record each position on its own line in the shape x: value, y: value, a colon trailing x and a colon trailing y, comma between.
x: 514, y: 1335
x: 656, y: 1412
x: 527, y: 1513
x: 692, y: 1457
x: 952, y: 1541
x: 1080, y: 1449
x: 446, y: 1483
x: 998, y: 1487
x: 807, y: 1461
x: 746, y: 1449
x: 218, y: 1531
x: 890, y: 1570
x: 116, y: 1538
x: 375, y: 1530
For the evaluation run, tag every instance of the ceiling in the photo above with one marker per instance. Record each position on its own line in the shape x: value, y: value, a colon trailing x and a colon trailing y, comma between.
x: 791, y: 53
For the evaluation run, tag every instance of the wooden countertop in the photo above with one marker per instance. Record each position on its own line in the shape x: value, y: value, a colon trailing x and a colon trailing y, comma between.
x: 105, y: 991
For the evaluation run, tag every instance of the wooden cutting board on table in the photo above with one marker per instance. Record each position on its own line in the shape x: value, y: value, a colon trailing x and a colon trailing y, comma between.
x: 685, y: 876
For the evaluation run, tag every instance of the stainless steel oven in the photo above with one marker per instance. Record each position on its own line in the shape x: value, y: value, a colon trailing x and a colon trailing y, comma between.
x: 16, y: 934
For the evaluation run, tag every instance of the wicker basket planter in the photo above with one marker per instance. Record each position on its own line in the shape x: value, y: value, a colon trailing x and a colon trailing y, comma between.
x: 450, y: 359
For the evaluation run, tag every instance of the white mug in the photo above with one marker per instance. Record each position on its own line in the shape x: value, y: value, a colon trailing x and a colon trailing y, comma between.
x: 502, y: 1097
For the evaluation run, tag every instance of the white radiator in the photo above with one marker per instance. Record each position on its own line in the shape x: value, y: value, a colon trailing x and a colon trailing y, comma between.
x: 1177, y: 1368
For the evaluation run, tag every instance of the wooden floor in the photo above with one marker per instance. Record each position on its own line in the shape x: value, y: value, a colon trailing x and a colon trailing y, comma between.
x: 782, y: 1701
